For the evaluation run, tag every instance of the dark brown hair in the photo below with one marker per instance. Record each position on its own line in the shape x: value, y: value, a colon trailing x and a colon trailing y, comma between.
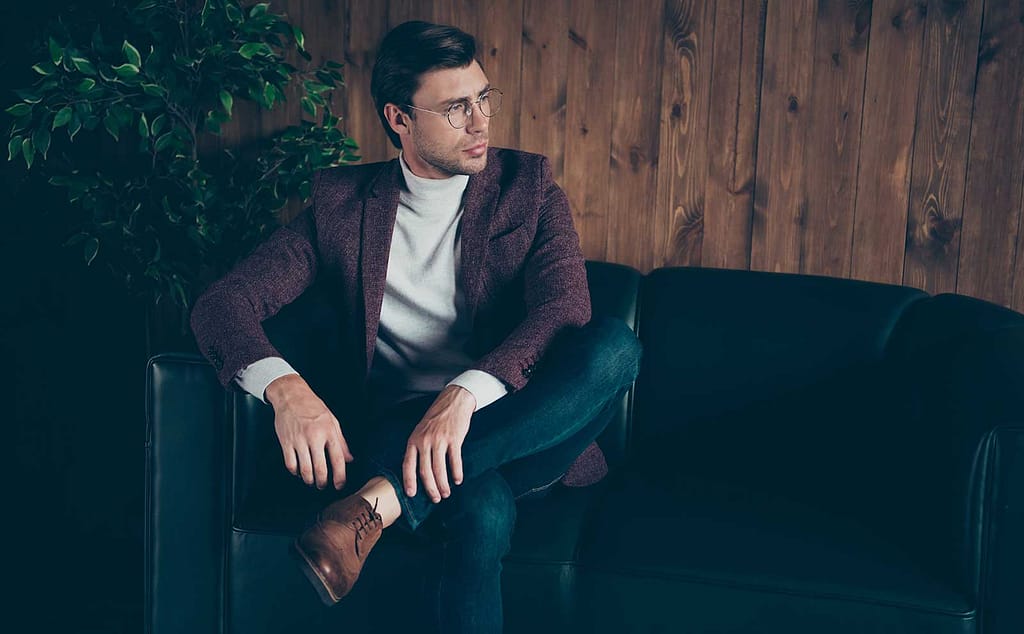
x: 408, y: 51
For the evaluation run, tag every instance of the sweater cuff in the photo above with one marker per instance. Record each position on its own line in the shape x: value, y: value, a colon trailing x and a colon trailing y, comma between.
x: 255, y: 377
x: 486, y: 388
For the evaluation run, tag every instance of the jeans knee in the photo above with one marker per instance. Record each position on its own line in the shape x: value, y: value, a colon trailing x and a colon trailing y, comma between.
x: 484, y: 515
x: 616, y: 351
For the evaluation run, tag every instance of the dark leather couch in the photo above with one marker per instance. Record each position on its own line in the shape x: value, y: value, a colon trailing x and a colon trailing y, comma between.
x: 799, y: 454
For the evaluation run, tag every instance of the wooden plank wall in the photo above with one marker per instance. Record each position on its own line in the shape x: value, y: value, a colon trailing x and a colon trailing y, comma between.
x: 875, y: 140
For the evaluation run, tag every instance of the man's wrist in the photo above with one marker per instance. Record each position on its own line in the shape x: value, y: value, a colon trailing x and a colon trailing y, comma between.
x: 463, y: 397
x: 278, y: 389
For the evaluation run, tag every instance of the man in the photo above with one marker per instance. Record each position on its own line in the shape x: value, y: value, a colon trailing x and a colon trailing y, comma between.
x: 475, y: 377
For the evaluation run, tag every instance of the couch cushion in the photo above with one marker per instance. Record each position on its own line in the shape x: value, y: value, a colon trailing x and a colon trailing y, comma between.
x: 718, y: 534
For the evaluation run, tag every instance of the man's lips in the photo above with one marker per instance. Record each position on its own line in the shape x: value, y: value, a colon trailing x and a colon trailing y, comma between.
x: 479, y: 148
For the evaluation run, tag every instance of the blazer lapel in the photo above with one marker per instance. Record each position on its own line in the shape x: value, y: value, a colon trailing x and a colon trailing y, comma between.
x: 479, y: 202
x: 379, y: 210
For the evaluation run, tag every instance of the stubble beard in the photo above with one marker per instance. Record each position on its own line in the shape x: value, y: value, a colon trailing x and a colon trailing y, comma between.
x: 450, y: 161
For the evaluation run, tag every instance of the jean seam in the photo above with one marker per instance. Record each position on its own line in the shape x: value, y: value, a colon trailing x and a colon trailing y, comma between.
x: 403, y: 501
x: 542, y: 487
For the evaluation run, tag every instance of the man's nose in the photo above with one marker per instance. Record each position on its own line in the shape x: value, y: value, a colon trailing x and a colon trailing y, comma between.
x: 477, y: 122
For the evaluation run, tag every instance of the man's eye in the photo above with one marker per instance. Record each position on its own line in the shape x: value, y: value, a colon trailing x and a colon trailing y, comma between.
x: 457, y: 108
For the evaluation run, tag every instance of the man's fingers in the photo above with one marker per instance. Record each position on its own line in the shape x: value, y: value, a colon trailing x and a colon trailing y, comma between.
x: 305, y: 465
x: 336, y: 454
x: 291, y: 463
x: 440, y: 471
x: 455, y: 461
x: 317, y: 450
x: 409, y: 470
x: 346, y: 454
x: 427, y: 475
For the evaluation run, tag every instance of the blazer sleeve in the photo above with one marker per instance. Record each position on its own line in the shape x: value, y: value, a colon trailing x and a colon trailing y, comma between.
x: 555, y: 290
x: 226, y: 319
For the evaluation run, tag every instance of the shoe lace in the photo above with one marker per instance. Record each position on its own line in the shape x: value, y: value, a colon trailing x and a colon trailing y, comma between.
x: 365, y: 522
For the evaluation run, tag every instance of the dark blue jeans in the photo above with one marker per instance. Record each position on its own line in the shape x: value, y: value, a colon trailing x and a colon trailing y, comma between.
x: 517, y: 446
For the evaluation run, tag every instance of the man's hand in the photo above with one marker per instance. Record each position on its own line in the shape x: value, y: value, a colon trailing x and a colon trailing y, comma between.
x: 308, y: 432
x: 439, y: 435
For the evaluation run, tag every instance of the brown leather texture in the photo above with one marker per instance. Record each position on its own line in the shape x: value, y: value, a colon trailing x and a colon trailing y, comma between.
x: 334, y: 549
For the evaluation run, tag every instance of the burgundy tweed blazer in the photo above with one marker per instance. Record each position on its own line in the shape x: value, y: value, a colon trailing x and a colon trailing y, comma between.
x: 518, y: 241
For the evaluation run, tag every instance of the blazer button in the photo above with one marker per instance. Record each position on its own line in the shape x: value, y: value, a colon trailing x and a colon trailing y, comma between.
x: 215, y: 358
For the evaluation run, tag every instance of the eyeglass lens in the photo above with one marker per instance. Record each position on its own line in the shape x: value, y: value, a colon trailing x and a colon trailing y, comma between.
x: 488, y: 105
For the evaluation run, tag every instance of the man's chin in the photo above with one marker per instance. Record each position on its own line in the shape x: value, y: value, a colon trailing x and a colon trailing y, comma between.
x: 475, y: 165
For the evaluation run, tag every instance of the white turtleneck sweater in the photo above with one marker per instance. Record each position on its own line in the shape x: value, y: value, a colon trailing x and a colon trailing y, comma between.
x: 424, y: 324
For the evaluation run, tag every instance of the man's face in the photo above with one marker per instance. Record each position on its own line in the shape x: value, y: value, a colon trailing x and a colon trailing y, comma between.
x: 431, y: 146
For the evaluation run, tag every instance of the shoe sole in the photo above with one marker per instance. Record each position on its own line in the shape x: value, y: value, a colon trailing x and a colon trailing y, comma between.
x: 311, y: 573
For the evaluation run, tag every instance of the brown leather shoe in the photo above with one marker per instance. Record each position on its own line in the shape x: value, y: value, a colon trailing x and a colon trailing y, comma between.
x: 331, y: 553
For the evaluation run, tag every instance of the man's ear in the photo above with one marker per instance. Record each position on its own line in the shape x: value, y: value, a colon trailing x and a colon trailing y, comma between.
x: 398, y: 120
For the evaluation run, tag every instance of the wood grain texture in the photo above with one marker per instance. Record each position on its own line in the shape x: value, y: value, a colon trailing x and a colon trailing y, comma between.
x: 992, y: 209
x: 367, y: 24
x: 589, y: 89
x: 780, y: 201
x: 834, y: 141
x: 499, y: 31
x: 734, y: 103
x: 544, y: 80
x: 887, y: 139
x: 877, y: 140
x: 689, y: 35
x: 635, y: 130
x: 940, y: 145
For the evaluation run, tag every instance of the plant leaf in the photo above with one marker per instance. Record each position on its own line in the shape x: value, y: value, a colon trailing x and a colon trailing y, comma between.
x: 227, y: 101
x: 131, y: 54
x: 14, y: 147
x: 126, y: 70
x: 164, y: 142
x: 110, y: 123
x: 307, y: 105
x: 56, y: 52
x: 269, y: 95
x: 63, y: 116
x: 258, y: 9
x: 234, y: 14
x: 252, y: 49
x: 41, y: 140
x: 90, y: 249
x: 28, y: 151
x: 143, y: 126
x: 74, y: 125
x: 86, y: 85
x: 300, y: 37
x: 153, y: 90
x: 83, y: 65
x: 158, y: 124
x: 19, y: 110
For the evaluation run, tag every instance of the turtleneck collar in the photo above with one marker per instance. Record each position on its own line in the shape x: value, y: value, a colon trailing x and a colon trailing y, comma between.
x: 432, y: 190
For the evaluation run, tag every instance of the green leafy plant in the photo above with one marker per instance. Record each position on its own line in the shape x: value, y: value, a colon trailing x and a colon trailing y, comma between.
x: 127, y: 116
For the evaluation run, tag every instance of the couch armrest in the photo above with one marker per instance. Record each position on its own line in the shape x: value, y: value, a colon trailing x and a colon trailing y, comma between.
x: 1003, y: 551
x: 186, y: 509
x: 984, y: 400
x: 965, y: 383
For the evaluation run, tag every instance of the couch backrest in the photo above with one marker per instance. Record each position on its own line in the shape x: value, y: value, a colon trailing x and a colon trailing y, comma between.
x: 717, y: 341
x: 767, y: 381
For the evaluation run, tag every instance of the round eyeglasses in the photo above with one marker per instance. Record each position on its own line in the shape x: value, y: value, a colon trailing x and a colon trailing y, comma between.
x: 488, y: 104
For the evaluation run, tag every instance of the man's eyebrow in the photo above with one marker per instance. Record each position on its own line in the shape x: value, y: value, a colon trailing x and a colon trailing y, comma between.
x: 446, y: 103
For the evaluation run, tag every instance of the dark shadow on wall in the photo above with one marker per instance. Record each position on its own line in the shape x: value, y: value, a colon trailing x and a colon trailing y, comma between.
x: 73, y: 349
